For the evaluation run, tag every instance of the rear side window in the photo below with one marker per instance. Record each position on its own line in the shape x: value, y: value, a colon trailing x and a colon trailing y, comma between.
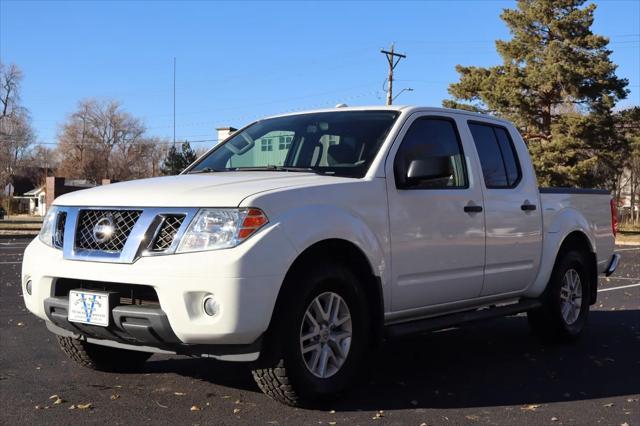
x: 429, y: 138
x: 498, y: 158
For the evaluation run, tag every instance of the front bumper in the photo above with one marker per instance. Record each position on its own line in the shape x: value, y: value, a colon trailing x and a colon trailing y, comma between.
x: 245, y: 282
x: 141, y: 329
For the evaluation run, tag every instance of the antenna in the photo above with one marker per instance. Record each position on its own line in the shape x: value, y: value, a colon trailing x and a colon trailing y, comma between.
x: 174, y: 101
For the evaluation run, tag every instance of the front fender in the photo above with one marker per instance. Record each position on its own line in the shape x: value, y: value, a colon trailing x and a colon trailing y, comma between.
x: 307, y: 225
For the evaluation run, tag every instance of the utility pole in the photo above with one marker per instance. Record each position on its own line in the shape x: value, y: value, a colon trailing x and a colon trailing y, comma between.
x: 174, y: 101
x: 393, y: 62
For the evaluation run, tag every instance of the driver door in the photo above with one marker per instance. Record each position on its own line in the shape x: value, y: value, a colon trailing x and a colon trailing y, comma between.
x: 436, y: 221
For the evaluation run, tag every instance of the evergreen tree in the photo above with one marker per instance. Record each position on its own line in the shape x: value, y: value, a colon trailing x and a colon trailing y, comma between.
x: 176, y: 161
x: 557, y: 83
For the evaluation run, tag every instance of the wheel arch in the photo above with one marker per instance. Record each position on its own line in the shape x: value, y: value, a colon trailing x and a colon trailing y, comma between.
x: 578, y: 240
x: 554, y: 245
x: 334, y: 250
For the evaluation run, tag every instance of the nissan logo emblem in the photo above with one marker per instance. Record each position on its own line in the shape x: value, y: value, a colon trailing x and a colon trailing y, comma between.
x: 103, y: 229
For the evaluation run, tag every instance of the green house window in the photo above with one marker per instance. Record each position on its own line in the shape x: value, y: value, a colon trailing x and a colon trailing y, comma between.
x: 284, y: 142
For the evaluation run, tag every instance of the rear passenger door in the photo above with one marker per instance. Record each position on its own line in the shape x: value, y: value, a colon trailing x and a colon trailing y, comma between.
x: 512, y: 211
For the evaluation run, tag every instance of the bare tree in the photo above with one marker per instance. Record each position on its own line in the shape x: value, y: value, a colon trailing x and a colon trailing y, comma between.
x: 101, y: 140
x: 16, y: 134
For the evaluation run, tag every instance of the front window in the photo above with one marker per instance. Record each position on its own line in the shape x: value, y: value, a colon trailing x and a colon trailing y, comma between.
x: 341, y: 143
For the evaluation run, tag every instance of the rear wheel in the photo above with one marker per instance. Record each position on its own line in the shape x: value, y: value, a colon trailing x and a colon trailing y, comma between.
x: 103, y: 358
x: 320, y: 338
x: 565, y: 308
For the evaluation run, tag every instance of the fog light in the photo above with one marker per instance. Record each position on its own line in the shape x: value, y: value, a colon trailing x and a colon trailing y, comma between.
x: 211, y: 307
x: 28, y: 287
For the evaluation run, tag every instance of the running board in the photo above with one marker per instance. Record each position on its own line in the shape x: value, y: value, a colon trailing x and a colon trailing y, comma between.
x: 451, y: 320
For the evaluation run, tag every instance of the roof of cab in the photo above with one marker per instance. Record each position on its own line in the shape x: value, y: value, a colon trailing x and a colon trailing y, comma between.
x: 407, y: 109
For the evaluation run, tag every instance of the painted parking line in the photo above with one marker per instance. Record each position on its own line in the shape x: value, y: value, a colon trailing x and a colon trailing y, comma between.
x: 628, y: 249
x: 622, y: 287
x: 620, y: 278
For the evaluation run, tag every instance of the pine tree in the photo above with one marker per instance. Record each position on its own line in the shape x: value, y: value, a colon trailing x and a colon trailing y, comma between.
x: 557, y: 83
x: 176, y: 161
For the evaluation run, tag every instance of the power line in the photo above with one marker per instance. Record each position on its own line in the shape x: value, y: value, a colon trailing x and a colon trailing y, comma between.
x: 143, y: 142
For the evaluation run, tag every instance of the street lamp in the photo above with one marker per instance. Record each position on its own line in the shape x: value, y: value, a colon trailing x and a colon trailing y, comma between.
x: 407, y: 89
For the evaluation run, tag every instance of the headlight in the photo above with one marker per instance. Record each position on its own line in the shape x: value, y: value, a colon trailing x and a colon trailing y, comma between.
x: 48, y: 226
x: 214, y: 229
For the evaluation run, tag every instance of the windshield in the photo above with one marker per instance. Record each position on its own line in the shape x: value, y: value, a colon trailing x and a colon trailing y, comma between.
x: 341, y: 143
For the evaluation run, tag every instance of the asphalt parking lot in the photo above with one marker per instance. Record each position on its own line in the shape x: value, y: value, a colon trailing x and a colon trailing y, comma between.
x: 490, y: 373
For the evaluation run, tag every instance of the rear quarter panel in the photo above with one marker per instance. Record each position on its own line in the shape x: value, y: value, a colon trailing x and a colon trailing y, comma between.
x: 566, y: 212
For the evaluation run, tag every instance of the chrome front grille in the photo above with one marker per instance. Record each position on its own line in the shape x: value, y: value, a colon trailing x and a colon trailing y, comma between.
x: 119, y: 235
x: 105, y: 230
x: 167, y: 232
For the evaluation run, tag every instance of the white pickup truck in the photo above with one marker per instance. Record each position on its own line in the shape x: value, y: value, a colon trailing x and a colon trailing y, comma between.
x: 304, y: 240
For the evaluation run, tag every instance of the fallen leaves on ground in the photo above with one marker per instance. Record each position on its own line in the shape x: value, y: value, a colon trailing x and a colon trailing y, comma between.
x: 114, y: 397
x: 86, y: 406
x: 236, y: 410
x: 195, y: 408
x: 530, y: 407
x: 160, y: 405
x: 379, y: 415
x: 609, y: 404
x: 56, y: 400
x: 179, y: 393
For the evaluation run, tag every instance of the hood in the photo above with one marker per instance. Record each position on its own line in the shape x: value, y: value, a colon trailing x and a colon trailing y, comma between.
x: 226, y: 189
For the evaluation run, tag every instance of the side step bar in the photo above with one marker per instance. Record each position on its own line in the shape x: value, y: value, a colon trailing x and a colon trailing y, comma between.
x: 447, y: 321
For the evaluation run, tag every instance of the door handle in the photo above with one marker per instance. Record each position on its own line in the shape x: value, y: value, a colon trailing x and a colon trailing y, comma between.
x: 526, y: 207
x: 472, y: 209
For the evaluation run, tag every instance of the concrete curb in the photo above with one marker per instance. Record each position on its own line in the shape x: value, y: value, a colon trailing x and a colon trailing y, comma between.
x: 11, y: 233
x: 628, y: 243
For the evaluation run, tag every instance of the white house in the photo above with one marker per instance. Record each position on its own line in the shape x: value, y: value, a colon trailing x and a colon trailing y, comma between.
x: 35, y: 199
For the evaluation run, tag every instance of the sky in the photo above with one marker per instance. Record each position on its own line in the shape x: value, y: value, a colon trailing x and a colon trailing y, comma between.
x: 239, y: 61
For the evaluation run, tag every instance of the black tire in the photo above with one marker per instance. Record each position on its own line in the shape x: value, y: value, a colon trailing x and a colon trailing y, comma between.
x: 103, y: 358
x: 281, y: 372
x: 548, y: 322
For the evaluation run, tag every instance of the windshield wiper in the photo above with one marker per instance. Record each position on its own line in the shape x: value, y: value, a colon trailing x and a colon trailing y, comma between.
x: 279, y: 169
x: 205, y: 170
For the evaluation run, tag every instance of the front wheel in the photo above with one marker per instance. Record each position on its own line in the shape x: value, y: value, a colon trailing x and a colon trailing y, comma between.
x: 103, y: 358
x: 322, y: 337
x: 565, y: 308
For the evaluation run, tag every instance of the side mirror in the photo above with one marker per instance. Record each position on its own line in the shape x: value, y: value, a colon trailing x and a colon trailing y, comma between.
x: 431, y: 168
